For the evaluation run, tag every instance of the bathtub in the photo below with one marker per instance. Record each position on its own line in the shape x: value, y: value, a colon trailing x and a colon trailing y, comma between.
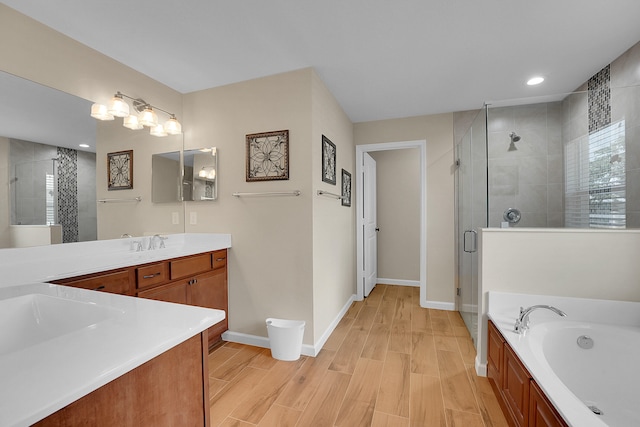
x: 597, y: 363
x: 586, y: 363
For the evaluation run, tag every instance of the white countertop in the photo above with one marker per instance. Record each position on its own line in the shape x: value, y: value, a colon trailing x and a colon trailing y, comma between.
x: 52, y: 262
x: 44, y: 377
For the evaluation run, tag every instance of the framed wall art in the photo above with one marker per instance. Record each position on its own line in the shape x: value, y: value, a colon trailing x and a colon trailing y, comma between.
x: 120, y: 170
x: 268, y: 156
x: 346, y: 188
x: 328, y: 161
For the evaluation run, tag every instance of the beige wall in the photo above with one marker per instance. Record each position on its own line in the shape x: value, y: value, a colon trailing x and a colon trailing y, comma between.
x: 334, y: 261
x: 398, y: 214
x: 438, y: 132
x: 282, y: 246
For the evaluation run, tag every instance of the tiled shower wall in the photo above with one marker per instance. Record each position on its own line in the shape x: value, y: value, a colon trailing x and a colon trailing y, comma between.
x: 76, y: 210
x: 532, y: 178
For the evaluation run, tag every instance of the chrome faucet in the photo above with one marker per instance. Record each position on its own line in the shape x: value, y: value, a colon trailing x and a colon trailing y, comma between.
x: 152, y: 241
x: 522, y: 323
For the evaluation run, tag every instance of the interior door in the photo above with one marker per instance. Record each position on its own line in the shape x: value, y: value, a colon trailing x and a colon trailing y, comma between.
x: 370, y: 225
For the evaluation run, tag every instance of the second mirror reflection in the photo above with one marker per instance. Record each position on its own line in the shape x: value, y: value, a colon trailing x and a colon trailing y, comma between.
x: 190, y: 175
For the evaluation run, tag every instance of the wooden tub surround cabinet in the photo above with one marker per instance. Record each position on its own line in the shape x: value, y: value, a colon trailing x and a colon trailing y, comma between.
x: 169, y: 390
x: 522, y: 400
x: 199, y: 280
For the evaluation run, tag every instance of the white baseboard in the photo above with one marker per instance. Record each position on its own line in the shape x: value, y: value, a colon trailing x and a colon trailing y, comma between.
x: 398, y: 282
x: 439, y: 305
x: 481, y: 368
x: 307, y: 350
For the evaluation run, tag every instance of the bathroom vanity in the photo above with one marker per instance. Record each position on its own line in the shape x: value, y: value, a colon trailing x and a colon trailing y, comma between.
x: 199, y: 280
x: 98, y: 347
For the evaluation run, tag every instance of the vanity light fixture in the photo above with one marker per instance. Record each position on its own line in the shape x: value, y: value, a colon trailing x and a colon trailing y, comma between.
x: 145, y: 116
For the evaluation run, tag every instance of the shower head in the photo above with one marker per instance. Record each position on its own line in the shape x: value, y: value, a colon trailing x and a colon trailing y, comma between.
x: 514, y: 137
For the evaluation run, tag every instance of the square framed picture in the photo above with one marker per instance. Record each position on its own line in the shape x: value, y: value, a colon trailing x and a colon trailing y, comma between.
x: 346, y: 188
x: 268, y: 156
x: 120, y: 170
x: 328, y: 161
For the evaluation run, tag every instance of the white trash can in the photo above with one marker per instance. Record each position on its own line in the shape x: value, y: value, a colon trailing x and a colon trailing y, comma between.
x: 285, y: 338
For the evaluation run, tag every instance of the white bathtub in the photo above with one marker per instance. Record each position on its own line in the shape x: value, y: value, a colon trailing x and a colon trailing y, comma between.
x: 579, y: 381
x: 605, y: 378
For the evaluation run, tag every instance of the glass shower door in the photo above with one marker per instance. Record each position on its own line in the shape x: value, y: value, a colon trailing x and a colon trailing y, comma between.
x: 471, y: 194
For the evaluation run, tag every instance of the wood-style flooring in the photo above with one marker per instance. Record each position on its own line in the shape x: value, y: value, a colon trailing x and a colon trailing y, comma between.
x: 389, y: 362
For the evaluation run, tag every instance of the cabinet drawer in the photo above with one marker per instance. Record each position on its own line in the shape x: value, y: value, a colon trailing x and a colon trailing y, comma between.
x: 219, y: 259
x: 152, y: 274
x: 117, y: 282
x: 190, y: 266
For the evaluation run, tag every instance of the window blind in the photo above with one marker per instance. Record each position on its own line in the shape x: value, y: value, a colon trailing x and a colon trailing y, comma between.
x: 595, y: 195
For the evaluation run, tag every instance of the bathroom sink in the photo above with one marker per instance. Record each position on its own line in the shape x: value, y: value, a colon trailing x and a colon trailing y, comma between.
x: 35, y: 318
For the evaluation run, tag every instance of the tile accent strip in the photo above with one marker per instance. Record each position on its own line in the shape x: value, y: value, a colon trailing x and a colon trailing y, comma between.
x: 599, y: 99
x: 68, y: 193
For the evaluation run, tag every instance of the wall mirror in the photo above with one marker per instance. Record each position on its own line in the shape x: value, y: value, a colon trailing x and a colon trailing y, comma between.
x: 200, y: 179
x: 166, y: 177
x: 48, y: 190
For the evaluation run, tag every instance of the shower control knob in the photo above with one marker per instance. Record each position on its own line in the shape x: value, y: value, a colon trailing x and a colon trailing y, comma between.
x: 512, y: 215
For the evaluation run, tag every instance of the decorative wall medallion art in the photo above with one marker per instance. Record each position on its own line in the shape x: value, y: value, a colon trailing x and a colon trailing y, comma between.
x: 268, y: 156
x: 120, y: 170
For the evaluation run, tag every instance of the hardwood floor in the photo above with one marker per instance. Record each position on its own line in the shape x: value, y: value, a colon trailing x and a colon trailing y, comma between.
x: 388, y: 363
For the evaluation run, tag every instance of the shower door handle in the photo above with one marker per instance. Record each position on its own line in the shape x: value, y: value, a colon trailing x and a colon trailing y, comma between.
x: 474, y: 235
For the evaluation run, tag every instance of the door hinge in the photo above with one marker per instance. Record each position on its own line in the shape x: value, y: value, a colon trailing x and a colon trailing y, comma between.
x: 458, y: 291
x: 457, y: 163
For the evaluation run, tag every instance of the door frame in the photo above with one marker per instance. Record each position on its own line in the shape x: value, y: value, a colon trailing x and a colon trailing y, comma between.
x: 387, y: 146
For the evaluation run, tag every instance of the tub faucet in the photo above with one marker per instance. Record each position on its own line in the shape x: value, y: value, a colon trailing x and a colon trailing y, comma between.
x: 522, y: 324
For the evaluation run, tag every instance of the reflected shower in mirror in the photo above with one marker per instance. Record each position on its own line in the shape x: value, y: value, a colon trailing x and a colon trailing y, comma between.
x: 47, y: 159
x: 200, y: 180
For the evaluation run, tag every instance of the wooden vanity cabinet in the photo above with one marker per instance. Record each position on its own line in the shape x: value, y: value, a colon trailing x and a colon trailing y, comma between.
x: 121, y: 281
x: 199, y: 280
x: 523, y: 402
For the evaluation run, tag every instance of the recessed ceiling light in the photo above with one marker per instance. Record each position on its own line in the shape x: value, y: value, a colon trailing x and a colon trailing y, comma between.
x: 535, y: 81
x: 84, y: 145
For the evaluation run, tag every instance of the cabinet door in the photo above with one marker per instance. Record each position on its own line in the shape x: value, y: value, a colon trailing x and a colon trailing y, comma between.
x: 172, y: 292
x: 210, y: 290
x: 541, y: 412
x: 495, y: 346
x: 515, y: 387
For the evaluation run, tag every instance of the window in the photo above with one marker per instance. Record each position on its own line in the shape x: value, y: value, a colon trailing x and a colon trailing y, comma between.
x: 595, y: 195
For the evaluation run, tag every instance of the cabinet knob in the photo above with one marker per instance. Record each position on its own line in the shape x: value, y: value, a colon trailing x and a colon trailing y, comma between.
x: 151, y: 276
x: 220, y: 259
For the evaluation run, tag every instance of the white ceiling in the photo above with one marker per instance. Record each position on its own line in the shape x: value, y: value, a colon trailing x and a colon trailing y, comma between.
x: 380, y: 58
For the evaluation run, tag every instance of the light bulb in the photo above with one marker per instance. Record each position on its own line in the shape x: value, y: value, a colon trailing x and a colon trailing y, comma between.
x: 118, y: 107
x: 132, y: 123
x: 148, y: 117
x: 99, y: 111
x: 173, y: 126
x: 158, y: 130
